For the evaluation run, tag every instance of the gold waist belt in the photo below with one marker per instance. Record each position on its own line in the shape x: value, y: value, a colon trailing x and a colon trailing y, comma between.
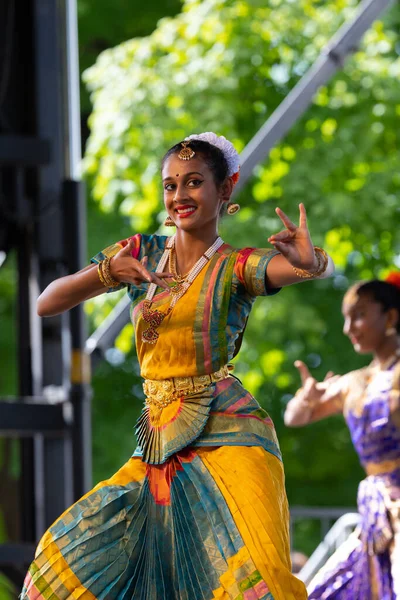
x: 387, y: 466
x: 161, y: 392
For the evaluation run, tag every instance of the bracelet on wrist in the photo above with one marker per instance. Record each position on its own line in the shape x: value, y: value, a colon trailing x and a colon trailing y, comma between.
x: 100, y: 274
x: 322, y: 265
x: 104, y: 273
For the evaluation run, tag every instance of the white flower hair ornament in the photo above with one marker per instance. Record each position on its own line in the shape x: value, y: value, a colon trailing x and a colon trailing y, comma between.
x: 227, y: 148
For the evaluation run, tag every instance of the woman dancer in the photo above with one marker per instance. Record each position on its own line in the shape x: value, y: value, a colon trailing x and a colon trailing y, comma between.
x: 367, y: 566
x: 199, y: 511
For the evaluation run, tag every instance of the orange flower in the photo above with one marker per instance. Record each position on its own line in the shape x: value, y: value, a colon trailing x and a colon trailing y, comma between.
x: 394, y: 278
x: 235, y: 177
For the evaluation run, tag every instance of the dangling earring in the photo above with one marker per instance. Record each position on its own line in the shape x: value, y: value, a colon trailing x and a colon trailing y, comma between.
x: 169, y: 222
x: 391, y: 331
x: 232, y: 208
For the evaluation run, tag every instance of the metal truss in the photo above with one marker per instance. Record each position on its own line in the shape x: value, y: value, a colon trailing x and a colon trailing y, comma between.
x: 331, y: 60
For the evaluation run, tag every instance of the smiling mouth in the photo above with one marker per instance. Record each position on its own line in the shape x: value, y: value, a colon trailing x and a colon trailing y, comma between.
x: 186, y: 211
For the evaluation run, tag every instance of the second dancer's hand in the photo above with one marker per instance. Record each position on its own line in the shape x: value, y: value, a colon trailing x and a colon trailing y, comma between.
x: 294, y: 242
x: 312, y: 390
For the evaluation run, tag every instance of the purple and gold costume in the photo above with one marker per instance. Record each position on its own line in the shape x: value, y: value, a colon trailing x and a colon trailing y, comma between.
x: 367, y: 566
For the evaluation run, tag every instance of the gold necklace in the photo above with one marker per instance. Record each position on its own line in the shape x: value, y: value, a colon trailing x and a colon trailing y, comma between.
x: 155, y: 317
x: 177, y: 280
x: 173, y: 268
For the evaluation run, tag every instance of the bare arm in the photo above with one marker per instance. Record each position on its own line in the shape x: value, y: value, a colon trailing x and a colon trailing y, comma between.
x: 66, y: 292
x: 280, y: 272
x: 314, y: 400
x: 69, y: 291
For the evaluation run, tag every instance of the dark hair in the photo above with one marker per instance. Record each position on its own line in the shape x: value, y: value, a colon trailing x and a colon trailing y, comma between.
x: 384, y: 293
x: 212, y: 156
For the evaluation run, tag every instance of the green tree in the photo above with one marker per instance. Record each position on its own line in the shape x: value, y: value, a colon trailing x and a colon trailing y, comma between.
x: 101, y: 28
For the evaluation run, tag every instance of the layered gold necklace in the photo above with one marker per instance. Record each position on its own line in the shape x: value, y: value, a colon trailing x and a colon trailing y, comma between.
x: 178, y: 288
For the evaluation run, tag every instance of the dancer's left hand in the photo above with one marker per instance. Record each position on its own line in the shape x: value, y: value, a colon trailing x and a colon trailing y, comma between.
x: 294, y: 242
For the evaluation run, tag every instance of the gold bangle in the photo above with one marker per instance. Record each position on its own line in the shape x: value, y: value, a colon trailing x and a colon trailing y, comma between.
x: 105, y: 274
x: 323, y: 261
x: 111, y: 282
x: 100, y: 273
x: 323, y: 264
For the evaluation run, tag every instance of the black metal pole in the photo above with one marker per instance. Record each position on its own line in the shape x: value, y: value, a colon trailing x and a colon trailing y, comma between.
x: 80, y: 391
x: 25, y: 379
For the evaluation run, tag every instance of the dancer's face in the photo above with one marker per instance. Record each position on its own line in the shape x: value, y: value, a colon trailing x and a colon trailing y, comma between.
x: 191, y: 195
x: 365, y: 322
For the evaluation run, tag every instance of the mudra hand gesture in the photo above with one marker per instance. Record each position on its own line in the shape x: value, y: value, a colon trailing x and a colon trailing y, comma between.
x: 315, y: 399
x: 126, y: 269
x: 294, y: 242
x: 312, y: 390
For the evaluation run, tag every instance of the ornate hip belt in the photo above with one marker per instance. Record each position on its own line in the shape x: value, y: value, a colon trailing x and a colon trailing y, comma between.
x: 161, y: 392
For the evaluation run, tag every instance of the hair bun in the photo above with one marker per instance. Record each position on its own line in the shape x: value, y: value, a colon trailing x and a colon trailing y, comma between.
x: 394, y: 279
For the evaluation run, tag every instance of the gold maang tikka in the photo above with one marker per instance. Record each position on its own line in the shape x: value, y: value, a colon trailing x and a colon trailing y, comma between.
x: 185, y: 152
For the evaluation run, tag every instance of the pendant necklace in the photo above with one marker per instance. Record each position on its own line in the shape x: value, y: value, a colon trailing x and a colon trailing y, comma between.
x: 181, y: 284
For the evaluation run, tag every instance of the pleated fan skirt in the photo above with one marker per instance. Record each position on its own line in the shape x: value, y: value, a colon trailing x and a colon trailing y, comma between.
x: 209, y: 523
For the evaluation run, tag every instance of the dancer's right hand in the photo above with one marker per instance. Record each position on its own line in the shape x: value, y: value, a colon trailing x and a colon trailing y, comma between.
x: 126, y: 269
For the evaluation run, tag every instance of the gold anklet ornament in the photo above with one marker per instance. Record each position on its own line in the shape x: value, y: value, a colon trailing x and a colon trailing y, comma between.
x: 323, y: 261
